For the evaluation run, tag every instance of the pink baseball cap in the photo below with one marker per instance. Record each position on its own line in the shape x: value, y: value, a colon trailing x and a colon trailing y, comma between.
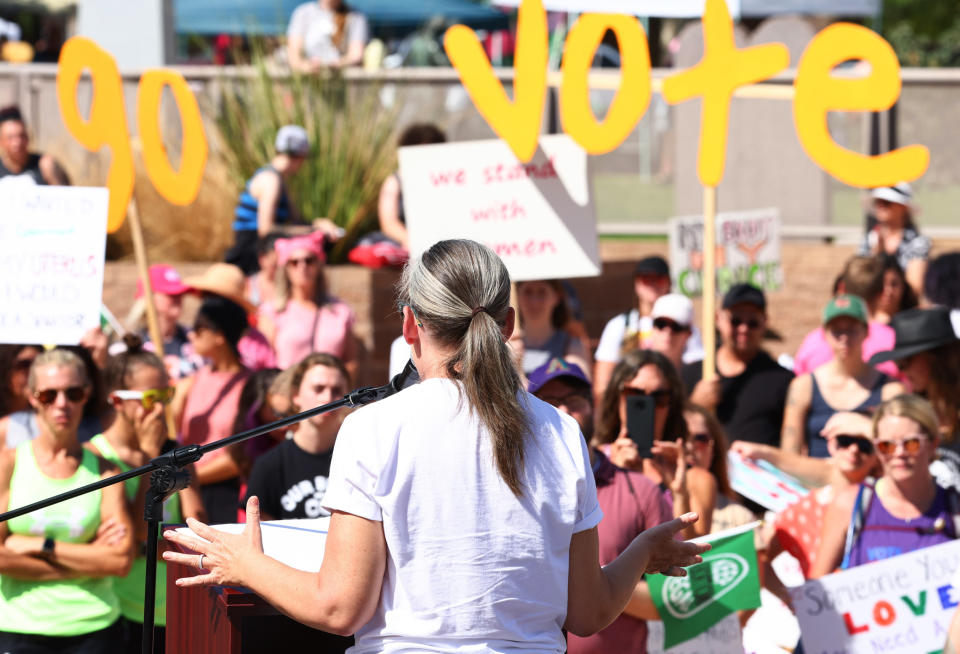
x: 163, y: 279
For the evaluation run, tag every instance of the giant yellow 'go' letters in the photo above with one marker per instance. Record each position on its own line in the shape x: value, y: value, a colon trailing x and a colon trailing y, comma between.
x: 817, y: 92
x: 107, y: 126
x: 722, y: 69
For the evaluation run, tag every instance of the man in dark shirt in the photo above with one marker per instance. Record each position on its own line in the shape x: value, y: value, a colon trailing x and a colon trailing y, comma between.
x: 290, y: 479
x: 750, y: 394
x: 16, y: 160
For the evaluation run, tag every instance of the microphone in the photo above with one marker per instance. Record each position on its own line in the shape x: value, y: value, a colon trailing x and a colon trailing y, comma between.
x: 406, y: 377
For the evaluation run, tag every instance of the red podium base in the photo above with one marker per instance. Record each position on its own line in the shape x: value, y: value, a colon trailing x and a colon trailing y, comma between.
x: 218, y: 620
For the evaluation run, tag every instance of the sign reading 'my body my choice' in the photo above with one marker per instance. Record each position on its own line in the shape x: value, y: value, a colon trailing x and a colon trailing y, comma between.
x: 536, y: 216
x: 748, y: 251
x: 900, y: 605
x: 52, y: 241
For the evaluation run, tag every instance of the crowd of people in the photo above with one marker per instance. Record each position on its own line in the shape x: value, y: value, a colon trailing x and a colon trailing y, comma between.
x: 867, y: 415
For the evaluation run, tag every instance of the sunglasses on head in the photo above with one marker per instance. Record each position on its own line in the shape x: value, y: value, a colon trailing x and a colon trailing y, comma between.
x: 147, y: 398
x: 666, y: 323
x: 751, y: 323
x: 49, y: 395
x: 910, y: 445
x: 661, y: 398
x: 305, y: 261
x: 863, y: 444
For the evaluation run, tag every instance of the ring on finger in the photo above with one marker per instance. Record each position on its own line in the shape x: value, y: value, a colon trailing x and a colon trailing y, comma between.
x: 200, y: 562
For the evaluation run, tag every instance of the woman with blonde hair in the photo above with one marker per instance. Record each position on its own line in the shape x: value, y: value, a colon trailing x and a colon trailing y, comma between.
x: 904, y: 510
x: 464, y: 509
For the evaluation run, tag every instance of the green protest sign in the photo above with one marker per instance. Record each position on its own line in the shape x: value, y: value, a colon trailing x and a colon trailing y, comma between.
x: 725, y: 582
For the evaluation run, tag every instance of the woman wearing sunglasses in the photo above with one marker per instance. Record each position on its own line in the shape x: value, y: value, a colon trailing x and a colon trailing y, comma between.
x: 18, y: 422
x: 55, y: 564
x: 845, y: 383
x: 138, y: 390
x: 649, y: 373
x: 927, y: 351
x: 904, y: 510
x: 305, y: 318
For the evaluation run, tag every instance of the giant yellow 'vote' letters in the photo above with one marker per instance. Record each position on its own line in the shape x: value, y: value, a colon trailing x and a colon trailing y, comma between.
x: 722, y: 69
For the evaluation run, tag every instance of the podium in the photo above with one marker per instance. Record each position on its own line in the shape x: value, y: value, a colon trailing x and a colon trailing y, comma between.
x: 224, y: 620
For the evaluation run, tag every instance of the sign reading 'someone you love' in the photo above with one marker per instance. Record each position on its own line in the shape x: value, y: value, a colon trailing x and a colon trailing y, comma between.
x: 723, y: 68
x: 52, y: 241
x: 536, y: 216
x: 902, y: 605
x: 747, y: 251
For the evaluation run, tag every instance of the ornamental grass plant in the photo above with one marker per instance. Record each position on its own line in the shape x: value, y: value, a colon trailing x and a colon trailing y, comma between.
x: 352, y: 137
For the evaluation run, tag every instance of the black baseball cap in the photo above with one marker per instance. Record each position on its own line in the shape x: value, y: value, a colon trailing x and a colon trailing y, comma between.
x: 744, y: 294
x: 654, y: 265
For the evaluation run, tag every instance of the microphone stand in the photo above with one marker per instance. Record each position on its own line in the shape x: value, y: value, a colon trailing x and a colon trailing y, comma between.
x: 168, y: 476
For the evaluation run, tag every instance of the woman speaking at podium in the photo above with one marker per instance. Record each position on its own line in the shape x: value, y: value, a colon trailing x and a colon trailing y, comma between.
x: 464, y: 512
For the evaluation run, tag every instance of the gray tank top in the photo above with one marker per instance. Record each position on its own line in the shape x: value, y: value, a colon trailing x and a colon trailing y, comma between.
x: 555, y: 347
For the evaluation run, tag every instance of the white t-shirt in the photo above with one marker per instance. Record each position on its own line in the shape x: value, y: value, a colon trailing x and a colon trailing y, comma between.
x: 617, y: 329
x: 470, y: 567
x: 317, y: 26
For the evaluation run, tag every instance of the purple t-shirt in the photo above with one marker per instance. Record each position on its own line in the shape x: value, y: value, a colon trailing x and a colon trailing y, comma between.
x: 630, y: 503
x: 884, y: 535
x: 815, y: 351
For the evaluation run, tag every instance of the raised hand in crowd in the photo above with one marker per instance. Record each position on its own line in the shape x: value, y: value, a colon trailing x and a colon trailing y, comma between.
x: 707, y: 393
x: 96, y: 342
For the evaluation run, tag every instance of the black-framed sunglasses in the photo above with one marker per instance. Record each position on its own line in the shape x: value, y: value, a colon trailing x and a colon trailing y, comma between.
x: 751, y: 323
x: 666, y: 323
x: 661, y: 398
x: 702, y: 439
x: 48, y: 396
x: 22, y: 365
x: 863, y: 444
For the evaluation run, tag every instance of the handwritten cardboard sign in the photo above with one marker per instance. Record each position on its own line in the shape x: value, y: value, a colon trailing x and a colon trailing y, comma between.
x: 536, y: 216
x: 763, y: 483
x: 900, y: 605
x: 748, y: 250
x: 723, y: 68
x: 52, y: 242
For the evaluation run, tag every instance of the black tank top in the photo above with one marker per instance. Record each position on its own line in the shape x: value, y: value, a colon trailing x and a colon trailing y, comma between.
x: 31, y: 170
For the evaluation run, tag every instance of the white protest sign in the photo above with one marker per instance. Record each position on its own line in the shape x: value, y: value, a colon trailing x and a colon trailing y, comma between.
x: 52, y: 242
x: 663, y: 8
x: 748, y: 250
x: 536, y: 216
x: 900, y: 605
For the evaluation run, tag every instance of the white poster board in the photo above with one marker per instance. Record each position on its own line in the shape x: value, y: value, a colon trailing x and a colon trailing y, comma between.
x: 724, y: 637
x: 52, y: 243
x: 663, y: 8
x: 748, y: 250
x: 536, y: 216
x: 901, y: 605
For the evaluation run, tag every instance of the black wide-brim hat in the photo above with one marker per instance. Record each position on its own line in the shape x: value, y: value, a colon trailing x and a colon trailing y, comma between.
x: 918, y: 330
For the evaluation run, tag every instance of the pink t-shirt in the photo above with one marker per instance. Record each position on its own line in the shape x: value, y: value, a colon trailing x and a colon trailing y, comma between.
x: 300, y: 330
x: 631, y: 503
x: 255, y: 351
x: 815, y: 351
x: 211, y: 408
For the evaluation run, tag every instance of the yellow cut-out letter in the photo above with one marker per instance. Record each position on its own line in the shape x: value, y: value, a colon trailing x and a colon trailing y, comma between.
x: 633, y: 96
x: 177, y: 187
x: 517, y: 122
x: 722, y: 69
x: 818, y: 92
x: 107, y: 125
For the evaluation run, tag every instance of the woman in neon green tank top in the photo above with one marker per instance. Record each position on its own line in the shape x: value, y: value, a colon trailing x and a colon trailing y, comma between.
x: 138, y: 388
x: 56, y: 594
